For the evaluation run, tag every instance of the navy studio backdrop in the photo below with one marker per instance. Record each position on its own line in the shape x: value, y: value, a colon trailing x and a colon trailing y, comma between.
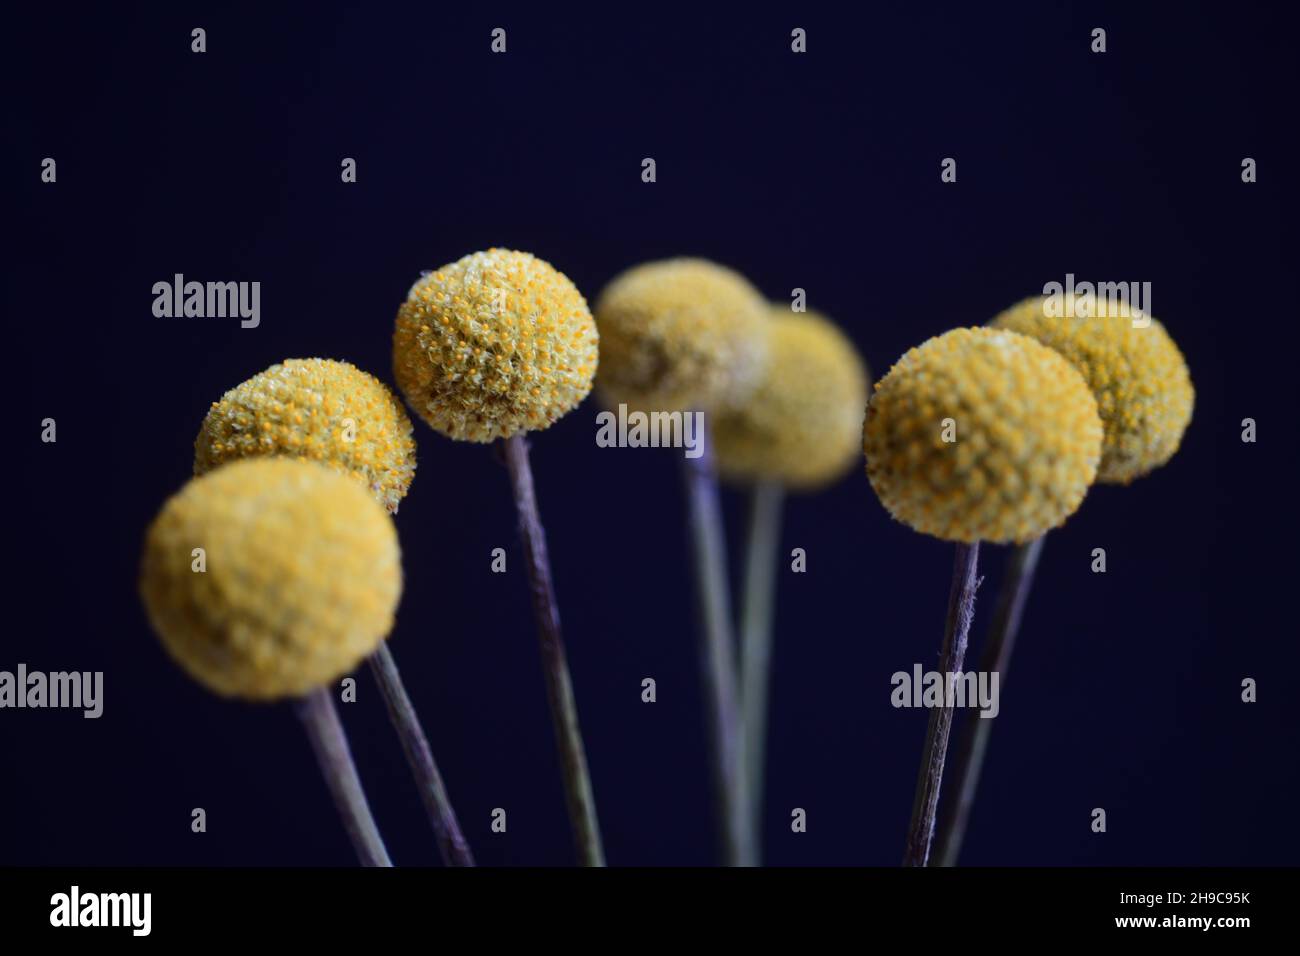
x: 819, y: 171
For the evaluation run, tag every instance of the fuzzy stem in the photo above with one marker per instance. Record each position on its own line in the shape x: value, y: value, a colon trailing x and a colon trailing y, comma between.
x: 973, y: 741
x: 952, y: 656
x: 756, y: 639
x: 718, y: 654
x: 330, y: 744
x: 446, y: 829
x: 559, y: 686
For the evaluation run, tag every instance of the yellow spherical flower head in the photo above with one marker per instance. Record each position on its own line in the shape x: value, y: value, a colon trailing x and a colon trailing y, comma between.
x: 802, y: 424
x: 680, y: 334
x: 1139, y: 378
x: 297, y: 580
x: 982, y: 435
x: 495, y: 344
x: 331, y: 412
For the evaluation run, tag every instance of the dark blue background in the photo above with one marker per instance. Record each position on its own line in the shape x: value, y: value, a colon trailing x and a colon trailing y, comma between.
x: 819, y: 171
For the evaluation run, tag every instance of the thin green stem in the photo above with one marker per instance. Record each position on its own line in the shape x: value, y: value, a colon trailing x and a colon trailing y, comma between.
x: 330, y: 744
x: 446, y: 829
x: 973, y: 741
x: 555, y: 667
x: 952, y: 656
x: 718, y: 655
x: 756, y: 639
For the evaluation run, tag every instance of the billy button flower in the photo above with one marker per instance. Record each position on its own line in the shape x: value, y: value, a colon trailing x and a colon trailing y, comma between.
x: 327, y: 411
x: 300, y: 579
x: 680, y: 334
x: 487, y: 348
x: 691, y: 335
x: 801, y: 425
x: 335, y: 414
x: 977, y: 434
x: 799, y: 430
x: 1145, y: 398
x: 494, y: 345
x: 1137, y: 374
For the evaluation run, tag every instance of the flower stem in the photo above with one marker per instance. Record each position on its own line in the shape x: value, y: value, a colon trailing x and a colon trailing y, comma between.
x: 330, y: 744
x: 973, y: 741
x: 718, y: 655
x: 756, y: 639
x: 952, y: 656
x: 559, y: 687
x: 446, y: 829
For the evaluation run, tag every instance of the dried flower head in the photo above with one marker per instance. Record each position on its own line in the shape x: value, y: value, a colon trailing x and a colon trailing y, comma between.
x: 982, y: 434
x: 803, y: 423
x: 297, y: 581
x: 681, y: 334
x: 330, y: 412
x: 495, y: 344
x: 1139, y: 378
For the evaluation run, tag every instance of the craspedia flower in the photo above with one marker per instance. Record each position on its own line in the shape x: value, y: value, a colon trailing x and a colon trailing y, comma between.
x: 494, y: 344
x: 301, y: 577
x: 331, y: 412
x: 803, y: 423
x: 681, y: 334
x: 1026, y: 437
x: 1137, y: 374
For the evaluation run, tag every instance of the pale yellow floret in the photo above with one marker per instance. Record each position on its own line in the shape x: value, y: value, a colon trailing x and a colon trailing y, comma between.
x: 327, y: 411
x: 495, y: 344
x: 680, y: 334
x: 1136, y: 372
x: 1026, y: 437
x: 802, y: 425
x: 298, y: 579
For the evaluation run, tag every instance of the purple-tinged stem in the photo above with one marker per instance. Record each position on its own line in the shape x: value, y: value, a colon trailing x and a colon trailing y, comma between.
x: 446, y: 829
x: 330, y: 744
x: 559, y: 686
x: 973, y: 741
x: 718, y: 656
x: 952, y: 657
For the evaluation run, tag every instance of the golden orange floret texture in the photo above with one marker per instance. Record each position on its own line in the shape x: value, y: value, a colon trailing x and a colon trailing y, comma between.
x: 495, y: 344
x: 1026, y: 437
x: 680, y: 334
x: 327, y: 411
x: 803, y: 423
x: 302, y: 574
x: 1137, y: 374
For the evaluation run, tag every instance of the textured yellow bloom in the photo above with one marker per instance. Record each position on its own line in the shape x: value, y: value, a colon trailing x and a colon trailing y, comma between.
x: 1139, y: 378
x: 803, y: 423
x: 331, y: 412
x: 680, y: 334
x: 1025, y: 437
x: 495, y: 344
x: 302, y: 574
